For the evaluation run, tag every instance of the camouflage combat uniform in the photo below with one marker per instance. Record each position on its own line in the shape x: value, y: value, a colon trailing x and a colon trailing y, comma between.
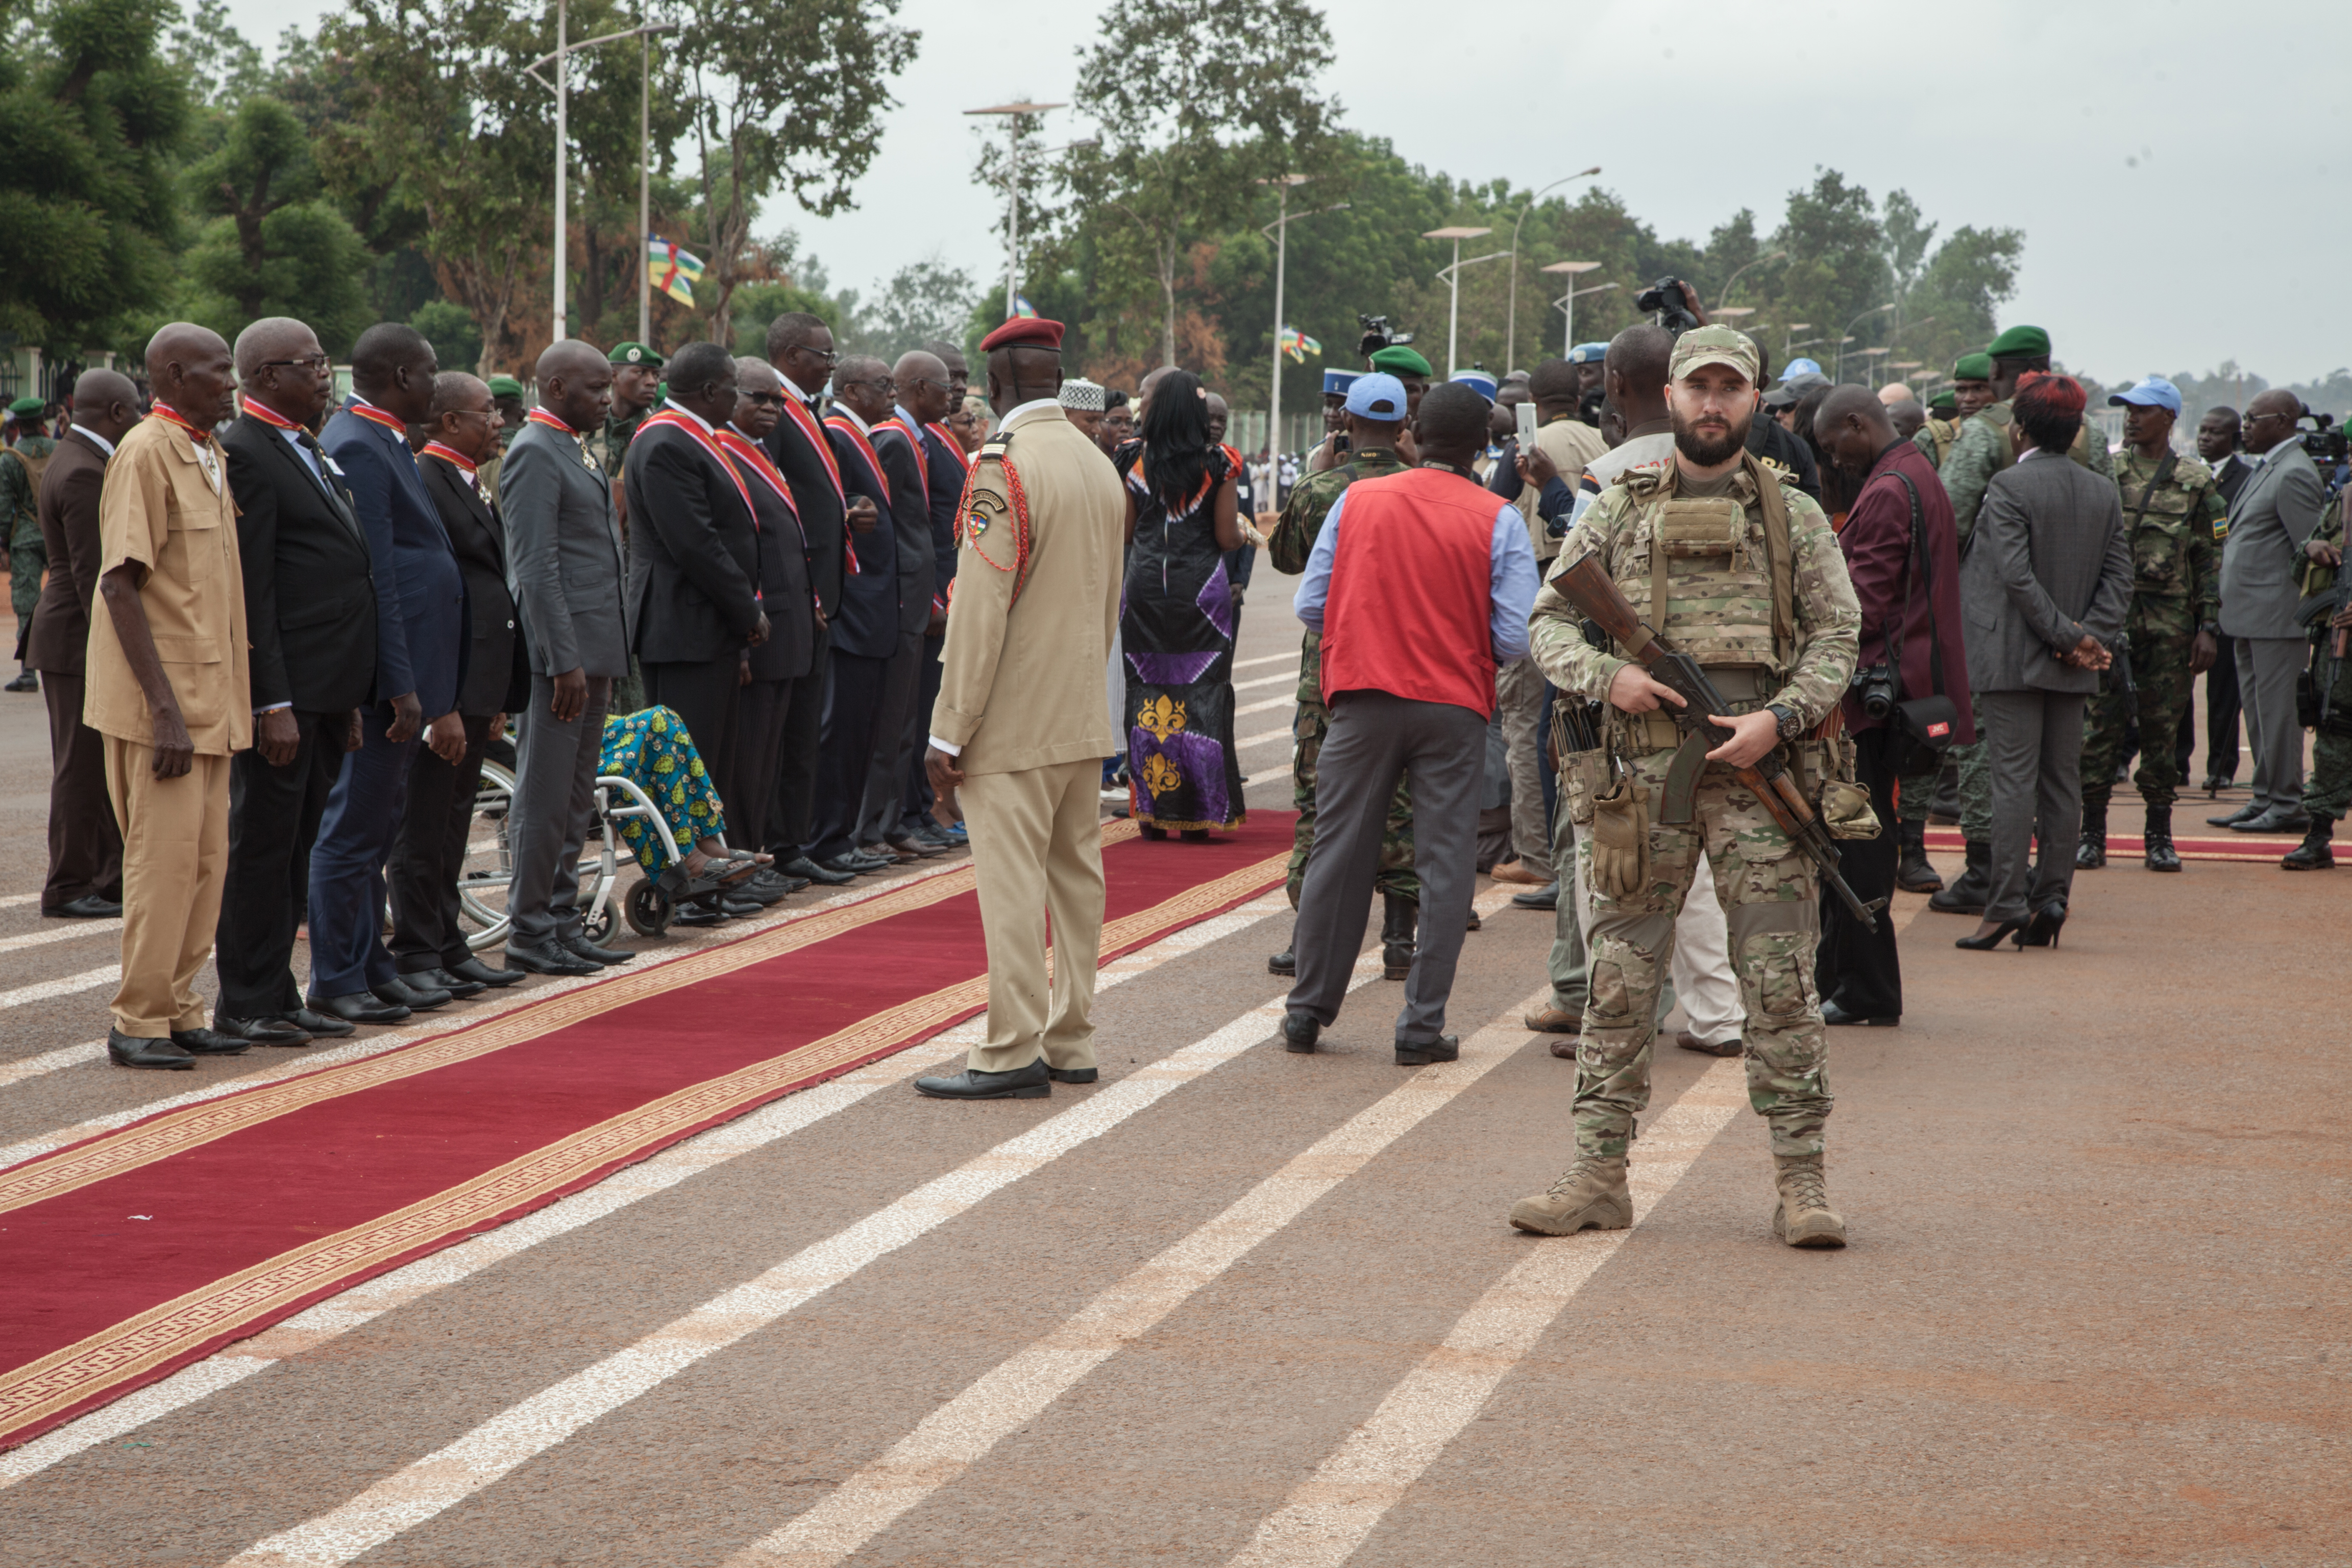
x: 2329, y: 793
x: 1292, y: 541
x: 1982, y: 452
x: 1935, y: 437
x: 1718, y: 607
x: 20, y: 507
x: 2175, y: 588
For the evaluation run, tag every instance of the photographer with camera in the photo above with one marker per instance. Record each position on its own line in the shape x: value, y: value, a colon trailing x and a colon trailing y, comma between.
x: 1909, y: 699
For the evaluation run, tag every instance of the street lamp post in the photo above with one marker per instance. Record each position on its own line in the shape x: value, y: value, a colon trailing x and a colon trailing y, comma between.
x: 1012, y: 192
x: 1568, y: 303
x: 1726, y: 294
x: 1573, y: 270
x: 1453, y: 274
x: 562, y: 88
x: 1787, y: 333
x: 1281, y: 227
x: 1847, y: 337
x: 1511, y: 332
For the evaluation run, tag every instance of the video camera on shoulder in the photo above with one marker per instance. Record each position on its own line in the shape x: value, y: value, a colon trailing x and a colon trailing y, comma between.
x: 2326, y: 447
x: 1379, y: 335
x: 1664, y: 302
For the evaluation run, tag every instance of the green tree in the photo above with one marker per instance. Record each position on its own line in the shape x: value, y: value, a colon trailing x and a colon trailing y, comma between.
x: 90, y: 114
x: 276, y: 246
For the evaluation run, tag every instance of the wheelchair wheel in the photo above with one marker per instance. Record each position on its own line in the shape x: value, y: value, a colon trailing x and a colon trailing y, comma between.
x: 649, y: 908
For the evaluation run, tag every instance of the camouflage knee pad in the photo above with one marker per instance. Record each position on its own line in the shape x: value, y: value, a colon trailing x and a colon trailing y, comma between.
x: 1628, y: 951
x: 1772, y: 948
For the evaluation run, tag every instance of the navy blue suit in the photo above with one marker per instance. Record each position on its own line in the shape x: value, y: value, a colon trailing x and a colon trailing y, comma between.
x: 423, y: 630
x: 866, y: 634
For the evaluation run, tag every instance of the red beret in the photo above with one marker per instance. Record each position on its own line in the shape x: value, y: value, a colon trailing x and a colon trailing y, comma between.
x: 1031, y: 329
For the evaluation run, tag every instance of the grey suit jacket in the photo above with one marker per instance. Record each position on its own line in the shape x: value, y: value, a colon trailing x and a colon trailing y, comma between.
x: 2048, y: 562
x: 2271, y: 515
x: 563, y: 555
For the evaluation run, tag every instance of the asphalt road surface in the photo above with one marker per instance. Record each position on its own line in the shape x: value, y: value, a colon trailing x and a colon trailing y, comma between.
x: 1235, y: 1306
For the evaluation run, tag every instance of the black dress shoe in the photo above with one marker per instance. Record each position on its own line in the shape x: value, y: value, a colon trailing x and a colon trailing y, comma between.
x: 742, y: 907
x: 1299, y: 1031
x: 801, y: 866
x: 442, y: 980
x: 913, y: 848
x: 26, y: 681
x: 1283, y: 963
x: 480, y: 973
x: 359, y: 1008
x: 1833, y: 1014
x: 844, y: 869
x: 770, y: 886
x: 578, y: 946
x: 261, y: 1031
x: 416, y: 998
x: 1032, y: 1082
x: 89, y: 907
x: 209, y: 1043
x: 2245, y: 812
x: 1544, y: 898
x: 1071, y: 1075
x: 1420, y: 1053
x: 2277, y: 819
x: 547, y: 956
x: 318, y: 1026
x: 137, y: 1051
x: 868, y: 863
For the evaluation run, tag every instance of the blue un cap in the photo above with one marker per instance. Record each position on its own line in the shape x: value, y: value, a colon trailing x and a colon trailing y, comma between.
x: 1588, y: 353
x: 1377, y: 396
x: 1479, y: 382
x: 1801, y: 366
x: 1337, y: 382
x: 2154, y: 393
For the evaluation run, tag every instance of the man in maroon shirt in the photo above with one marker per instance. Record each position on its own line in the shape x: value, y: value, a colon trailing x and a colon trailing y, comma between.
x: 1909, y: 587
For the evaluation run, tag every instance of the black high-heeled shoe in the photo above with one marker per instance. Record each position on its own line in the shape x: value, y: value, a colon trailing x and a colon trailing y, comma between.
x: 1991, y: 940
x: 2041, y: 927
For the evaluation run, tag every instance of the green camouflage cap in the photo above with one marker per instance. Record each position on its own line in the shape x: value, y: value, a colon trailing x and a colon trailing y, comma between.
x: 636, y: 354
x: 2020, y: 342
x: 1712, y: 345
x: 505, y: 387
x: 1972, y: 367
x: 26, y: 408
x: 1398, y: 360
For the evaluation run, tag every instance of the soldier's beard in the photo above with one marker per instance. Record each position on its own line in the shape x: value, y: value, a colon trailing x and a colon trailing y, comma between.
x: 1708, y: 447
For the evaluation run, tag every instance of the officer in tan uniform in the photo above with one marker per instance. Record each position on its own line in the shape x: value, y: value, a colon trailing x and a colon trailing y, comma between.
x: 1020, y: 728
x: 166, y: 685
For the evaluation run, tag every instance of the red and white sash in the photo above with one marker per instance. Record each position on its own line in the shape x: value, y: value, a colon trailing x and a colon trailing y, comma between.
x: 866, y: 447
x: 710, y: 443
x: 806, y: 422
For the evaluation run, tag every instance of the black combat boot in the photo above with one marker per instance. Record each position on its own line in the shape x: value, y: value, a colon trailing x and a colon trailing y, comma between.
x: 1967, y: 896
x: 2091, y: 853
x: 1398, y: 918
x: 1914, y: 875
x: 2312, y: 854
x: 2156, y: 839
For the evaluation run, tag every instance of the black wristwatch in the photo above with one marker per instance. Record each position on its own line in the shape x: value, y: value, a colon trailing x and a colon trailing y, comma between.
x: 2210, y: 629
x: 1784, y: 719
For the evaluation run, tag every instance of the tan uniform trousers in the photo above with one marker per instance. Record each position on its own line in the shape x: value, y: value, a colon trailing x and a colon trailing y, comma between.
x: 1518, y: 695
x: 174, y: 859
x: 1036, y: 847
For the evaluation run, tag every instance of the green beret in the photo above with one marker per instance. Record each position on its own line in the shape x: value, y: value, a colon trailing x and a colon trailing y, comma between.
x: 1972, y: 367
x: 1398, y: 360
x: 28, y: 407
x: 661, y: 392
x: 2021, y: 342
x: 505, y: 387
x: 636, y: 354
x: 1945, y: 402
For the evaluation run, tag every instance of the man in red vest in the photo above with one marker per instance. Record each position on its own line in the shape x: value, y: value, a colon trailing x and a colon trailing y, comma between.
x: 1422, y: 593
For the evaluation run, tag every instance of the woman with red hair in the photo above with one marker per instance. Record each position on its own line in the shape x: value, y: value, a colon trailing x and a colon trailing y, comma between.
x: 2044, y: 585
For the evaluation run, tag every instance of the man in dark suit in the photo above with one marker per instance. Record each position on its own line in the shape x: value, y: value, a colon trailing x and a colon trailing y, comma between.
x: 428, y: 946
x: 779, y: 664
x: 564, y: 563
x: 2217, y: 436
x: 799, y: 346
x: 898, y: 440
x: 928, y: 386
x: 308, y: 617
x: 693, y: 564
x: 420, y: 651
x: 84, y: 878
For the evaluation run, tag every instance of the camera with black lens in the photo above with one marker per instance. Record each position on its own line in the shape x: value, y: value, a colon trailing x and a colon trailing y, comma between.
x: 1874, y: 689
x: 1379, y: 335
x: 2326, y: 447
x: 1664, y: 302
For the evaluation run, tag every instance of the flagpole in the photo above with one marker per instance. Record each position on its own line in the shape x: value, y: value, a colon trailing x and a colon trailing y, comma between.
x: 644, y: 187
x: 562, y: 94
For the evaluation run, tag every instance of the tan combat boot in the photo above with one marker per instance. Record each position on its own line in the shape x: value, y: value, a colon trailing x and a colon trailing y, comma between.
x: 1590, y: 1193
x: 1803, y: 1216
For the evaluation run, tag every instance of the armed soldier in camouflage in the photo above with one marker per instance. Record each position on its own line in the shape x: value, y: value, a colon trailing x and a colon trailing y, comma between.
x: 1737, y: 568
x: 1983, y: 450
x: 21, y: 463
x: 1949, y: 411
x: 1374, y: 425
x: 2172, y: 631
x: 2328, y: 610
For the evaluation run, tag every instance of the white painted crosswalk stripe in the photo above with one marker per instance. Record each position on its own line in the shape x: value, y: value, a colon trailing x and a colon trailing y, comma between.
x: 1330, y: 1514
x: 88, y: 980
x: 68, y: 931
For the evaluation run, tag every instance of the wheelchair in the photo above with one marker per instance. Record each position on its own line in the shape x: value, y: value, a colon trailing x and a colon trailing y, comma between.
x: 488, y: 870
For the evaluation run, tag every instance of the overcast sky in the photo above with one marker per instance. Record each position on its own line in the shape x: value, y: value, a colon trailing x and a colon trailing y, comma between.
x: 2177, y: 167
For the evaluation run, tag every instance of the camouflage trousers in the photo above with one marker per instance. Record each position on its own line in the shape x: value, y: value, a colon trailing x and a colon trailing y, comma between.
x: 1395, y: 875
x: 2161, y: 692
x: 1976, y: 786
x: 2329, y: 792
x: 25, y: 562
x: 1913, y: 795
x: 1771, y: 905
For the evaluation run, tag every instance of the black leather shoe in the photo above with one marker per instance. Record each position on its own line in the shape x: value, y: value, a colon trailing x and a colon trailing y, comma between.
x: 1283, y: 963
x: 581, y: 947
x: 770, y: 886
x: 742, y: 907
x: 209, y: 1043
x: 137, y: 1051
x: 1072, y: 1075
x: 1833, y: 1014
x: 1032, y: 1082
x: 1544, y: 898
x: 417, y: 997
x: 910, y: 847
x: 700, y: 913
x: 1420, y: 1053
x: 442, y: 980
x: 801, y: 866
x: 2245, y: 812
x: 1299, y: 1032
x: 26, y: 681
x: 261, y: 1031
x: 2277, y: 819
x: 481, y: 974
x: 359, y: 1008
x: 546, y: 957
x: 868, y: 863
x: 318, y: 1026
x: 846, y: 867
x: 89, y: 907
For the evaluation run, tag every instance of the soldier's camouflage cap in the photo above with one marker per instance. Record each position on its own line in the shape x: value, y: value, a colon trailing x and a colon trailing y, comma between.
x: 504, y: 387
x: 636, y: 354
x: 1972, y: 367
x: 1712, y: 345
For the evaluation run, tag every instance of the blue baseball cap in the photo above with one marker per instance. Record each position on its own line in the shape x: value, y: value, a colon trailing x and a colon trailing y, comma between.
x: 1337, y: 382
x: 1588, y: 353
x: 1479, y: 382
x: 1377, y: 396
x: 1797, y: 367
x: 2154, y: 393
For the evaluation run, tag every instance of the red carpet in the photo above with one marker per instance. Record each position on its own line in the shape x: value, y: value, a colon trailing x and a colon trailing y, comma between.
x: 2214, y: 845
x: 255, y: 1205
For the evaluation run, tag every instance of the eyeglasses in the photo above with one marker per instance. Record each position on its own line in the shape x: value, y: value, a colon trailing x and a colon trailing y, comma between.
x: 314, y: 363
x: 826, y: 357
x: 764, y: 399
x: 927, y: 381
x: 886, y: 386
